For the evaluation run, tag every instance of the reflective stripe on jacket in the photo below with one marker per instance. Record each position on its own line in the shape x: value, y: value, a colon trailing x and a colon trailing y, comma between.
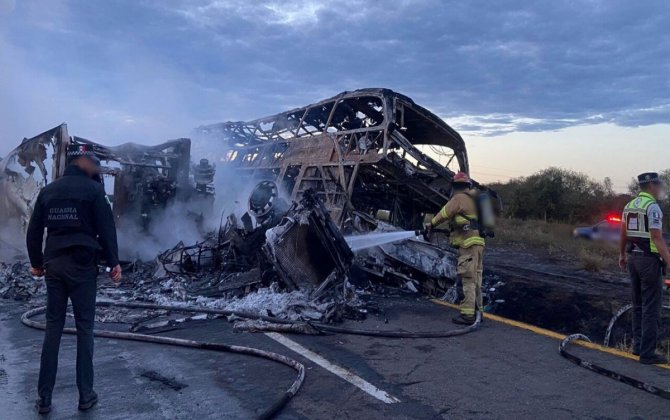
x: 459, y: 213
x: 636, y: 222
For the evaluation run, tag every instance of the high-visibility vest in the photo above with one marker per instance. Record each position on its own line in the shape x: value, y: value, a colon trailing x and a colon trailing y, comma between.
x: 637, y: 222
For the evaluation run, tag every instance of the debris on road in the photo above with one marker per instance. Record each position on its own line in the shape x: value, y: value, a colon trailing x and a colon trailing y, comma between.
x: 356, y: 164
x: 367, y: 155
x: 16, y: 283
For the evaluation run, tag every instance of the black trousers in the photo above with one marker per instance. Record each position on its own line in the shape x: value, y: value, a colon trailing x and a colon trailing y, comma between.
x: 646, y: 275
x: 70, y: 275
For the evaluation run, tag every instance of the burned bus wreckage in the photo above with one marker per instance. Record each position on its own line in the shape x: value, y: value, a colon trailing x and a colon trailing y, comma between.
x: 318, y: 176
x: 366, y: 155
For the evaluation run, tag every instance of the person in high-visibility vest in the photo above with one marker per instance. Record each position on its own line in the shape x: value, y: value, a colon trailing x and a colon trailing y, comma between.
x: 460, y: 213
x: 644, y: 253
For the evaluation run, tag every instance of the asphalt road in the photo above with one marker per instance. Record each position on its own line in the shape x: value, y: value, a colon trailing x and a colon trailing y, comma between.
x: 497, y: 372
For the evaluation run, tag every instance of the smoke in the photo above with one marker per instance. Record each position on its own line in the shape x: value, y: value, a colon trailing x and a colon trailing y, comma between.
x: 166, y: 229
x: 12, y: 243
x: 178, y: 222
x: 186, y: 222
x: 232, y: 187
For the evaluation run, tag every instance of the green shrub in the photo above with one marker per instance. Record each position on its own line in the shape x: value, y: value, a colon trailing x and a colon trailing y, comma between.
x: 559, y: 195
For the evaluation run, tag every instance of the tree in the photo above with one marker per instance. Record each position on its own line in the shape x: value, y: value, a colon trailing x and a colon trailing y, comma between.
x: 609, y: 189
x: 556, y: 194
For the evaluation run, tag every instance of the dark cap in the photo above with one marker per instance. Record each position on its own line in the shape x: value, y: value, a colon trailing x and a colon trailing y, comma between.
x: 649, y: 178
x: 77, y: 150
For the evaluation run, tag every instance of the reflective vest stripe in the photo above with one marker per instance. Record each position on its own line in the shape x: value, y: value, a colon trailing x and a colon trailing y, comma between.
x: 636, y: 219
x: 460, y: 226
x: 473, y: 240
x: 467, y: 311
x: 462, y: 221
x: 443, y: 213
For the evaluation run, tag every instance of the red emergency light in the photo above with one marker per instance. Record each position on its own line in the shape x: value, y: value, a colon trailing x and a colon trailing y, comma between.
x: 613, y: 218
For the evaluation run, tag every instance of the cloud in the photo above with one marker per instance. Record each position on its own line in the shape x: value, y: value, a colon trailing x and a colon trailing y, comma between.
x: 149, y: 70
x: 543, y: 65
x: 7, y: 6
x: 500, y: 124
x: 212, y: 13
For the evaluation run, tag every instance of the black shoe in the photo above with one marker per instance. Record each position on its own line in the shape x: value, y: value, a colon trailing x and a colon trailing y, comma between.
x: 656, y: 359
x: 43, y: 405
x: 88, y: 403
x: 463, y: 320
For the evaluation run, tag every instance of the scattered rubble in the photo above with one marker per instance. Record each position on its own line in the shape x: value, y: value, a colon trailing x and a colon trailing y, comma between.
x: 17, y: 284
x: 296, y: 250
x: 354, y: 164
x: 367, y: 155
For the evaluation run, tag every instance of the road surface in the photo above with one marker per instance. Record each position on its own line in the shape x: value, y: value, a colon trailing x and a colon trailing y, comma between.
x: 500, y: 371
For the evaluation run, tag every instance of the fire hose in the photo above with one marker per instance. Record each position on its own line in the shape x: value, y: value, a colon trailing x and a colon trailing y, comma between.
x: 637, y: 383
x: 292, y: 391
x: 615, y: 318
x: 269, y: 413
x: 322, y: 328
x: 402, y: 334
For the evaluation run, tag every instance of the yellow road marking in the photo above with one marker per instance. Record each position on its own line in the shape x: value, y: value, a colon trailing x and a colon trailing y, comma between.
x: 551, y: 334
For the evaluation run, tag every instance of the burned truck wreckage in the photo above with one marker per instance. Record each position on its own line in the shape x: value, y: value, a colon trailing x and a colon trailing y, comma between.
x: 318, y: 178
x: 145, y: 179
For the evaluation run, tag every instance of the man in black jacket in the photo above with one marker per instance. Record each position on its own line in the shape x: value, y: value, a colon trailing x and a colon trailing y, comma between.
x: 78, y: 218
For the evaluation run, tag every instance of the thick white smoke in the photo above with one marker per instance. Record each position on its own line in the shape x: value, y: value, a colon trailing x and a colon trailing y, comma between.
x: 177, y: 223
x: 166, y: 230
x: 12, y: 242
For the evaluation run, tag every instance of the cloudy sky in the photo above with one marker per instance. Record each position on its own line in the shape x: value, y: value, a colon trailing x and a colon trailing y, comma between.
x: 582, y: 84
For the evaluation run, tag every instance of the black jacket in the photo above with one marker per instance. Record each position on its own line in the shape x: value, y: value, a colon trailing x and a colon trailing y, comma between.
x: 75, y: 211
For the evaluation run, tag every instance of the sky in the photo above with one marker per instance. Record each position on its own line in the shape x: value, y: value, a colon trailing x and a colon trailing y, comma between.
x: 580, y: 84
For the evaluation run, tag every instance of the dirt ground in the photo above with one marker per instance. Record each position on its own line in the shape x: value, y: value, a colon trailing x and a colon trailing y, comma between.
x: 553, y: 290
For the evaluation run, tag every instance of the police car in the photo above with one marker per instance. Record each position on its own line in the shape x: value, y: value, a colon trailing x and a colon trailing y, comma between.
x: 608, y: 230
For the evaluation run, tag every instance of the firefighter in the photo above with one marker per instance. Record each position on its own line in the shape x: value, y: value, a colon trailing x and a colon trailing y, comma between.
x: 77, y: 215
x: 644, y: 252
x: 460, y: 213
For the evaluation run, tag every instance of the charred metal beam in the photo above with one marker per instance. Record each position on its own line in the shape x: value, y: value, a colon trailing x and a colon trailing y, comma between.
x: 342, y: 145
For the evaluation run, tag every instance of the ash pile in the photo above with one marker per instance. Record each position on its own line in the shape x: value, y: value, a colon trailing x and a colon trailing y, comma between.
x: 17, y: 284
x: 289, y: 260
